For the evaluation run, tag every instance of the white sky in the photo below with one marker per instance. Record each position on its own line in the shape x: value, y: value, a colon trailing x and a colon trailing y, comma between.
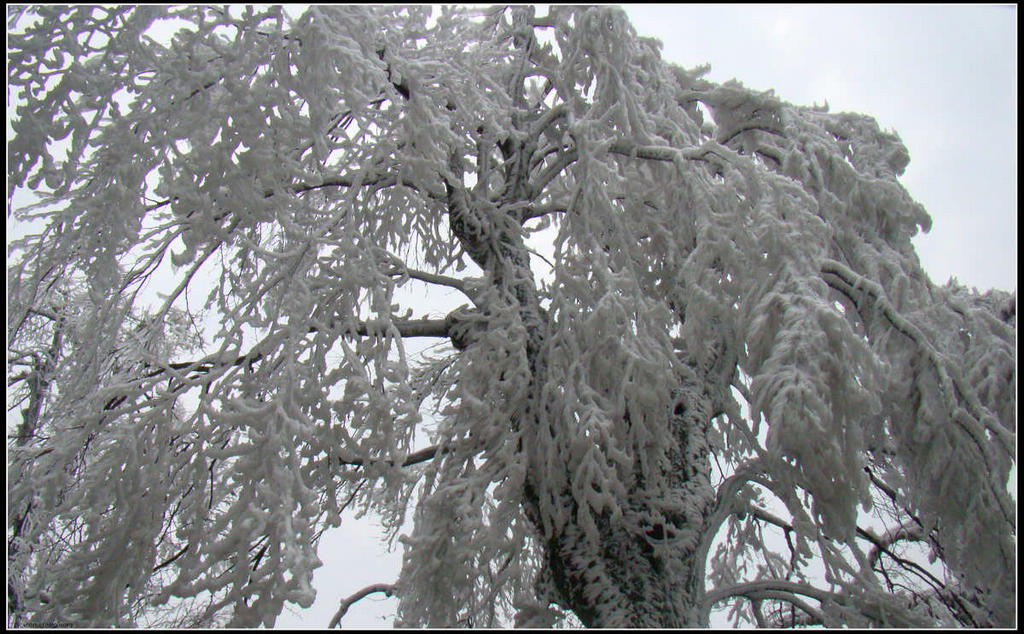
x: 943, y: 77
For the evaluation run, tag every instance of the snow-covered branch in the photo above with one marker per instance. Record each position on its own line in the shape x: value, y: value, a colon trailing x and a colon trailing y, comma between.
x: 416, y: 457
x: 347, y: 602
x: 772, y: 589
x: 405, y: 328
x: 855, y: 287
x: 442, y: 280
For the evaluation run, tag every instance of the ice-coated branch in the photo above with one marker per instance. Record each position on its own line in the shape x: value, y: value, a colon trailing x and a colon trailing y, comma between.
x: 549, y: 117
x: 979, y: 424
x: 755, y: 607
x: 747, y: 127
x: 882, y: 543
x: 625, y: 147
x: 536, y: 211
x: 416, y: 457
x: 379, y: 181
x: 669, y: 154
x: 434, y: 278
x: 849, y: 283
x: 779, y: 618
x: 563, y: 161
x: 387, y: 588
x: 774, y: 589
x: 43, y: 312
x: 405, y: 327
x: 726, y: 502
x: 763, y: 515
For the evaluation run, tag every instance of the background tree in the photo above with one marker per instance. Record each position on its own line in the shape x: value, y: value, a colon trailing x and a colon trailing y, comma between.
x: 728, y: 332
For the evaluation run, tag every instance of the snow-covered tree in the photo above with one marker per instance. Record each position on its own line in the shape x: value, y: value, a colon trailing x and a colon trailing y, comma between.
x: 697, y: 363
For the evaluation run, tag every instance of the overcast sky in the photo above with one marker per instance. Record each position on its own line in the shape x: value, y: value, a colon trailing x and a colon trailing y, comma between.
x: 943, y: 77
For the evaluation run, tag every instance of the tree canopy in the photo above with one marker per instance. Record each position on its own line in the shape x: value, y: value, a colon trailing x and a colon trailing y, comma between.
x: 691, y: 319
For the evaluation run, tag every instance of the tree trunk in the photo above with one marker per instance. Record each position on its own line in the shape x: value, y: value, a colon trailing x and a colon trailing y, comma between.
x: 640, y: 572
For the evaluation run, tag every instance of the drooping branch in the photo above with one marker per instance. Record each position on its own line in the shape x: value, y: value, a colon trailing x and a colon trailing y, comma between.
x: 725, y: 504
x: 855, y: 286
x: 709, y: 152
x: 774, y: 589
x: 880, y: 545
x: 747, y: 127
x: 346, y: 603
x: 380, y: 181
x: 979, y: 425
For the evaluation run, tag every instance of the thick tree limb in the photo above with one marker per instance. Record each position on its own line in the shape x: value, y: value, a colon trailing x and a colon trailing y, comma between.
x: 405, y: 327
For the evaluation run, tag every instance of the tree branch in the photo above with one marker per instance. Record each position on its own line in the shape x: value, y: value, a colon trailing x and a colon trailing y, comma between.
x: 434, y: 278
x: 173, y: 558
x: 882, y: 544
x: 543, y: 210
x: 810, y: 616
x: 563, y: 161
x: 747, y: 127
x: 851, y: 282
x: 405, y: 327
x: 761, y: 588
x: 43, y: 312
x: 346, y: 603
x: 977, y: 426
x: 725, y: 502
x: 423, y: 455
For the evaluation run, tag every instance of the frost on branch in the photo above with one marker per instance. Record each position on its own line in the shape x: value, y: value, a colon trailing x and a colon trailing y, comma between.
x: 692, y: 328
